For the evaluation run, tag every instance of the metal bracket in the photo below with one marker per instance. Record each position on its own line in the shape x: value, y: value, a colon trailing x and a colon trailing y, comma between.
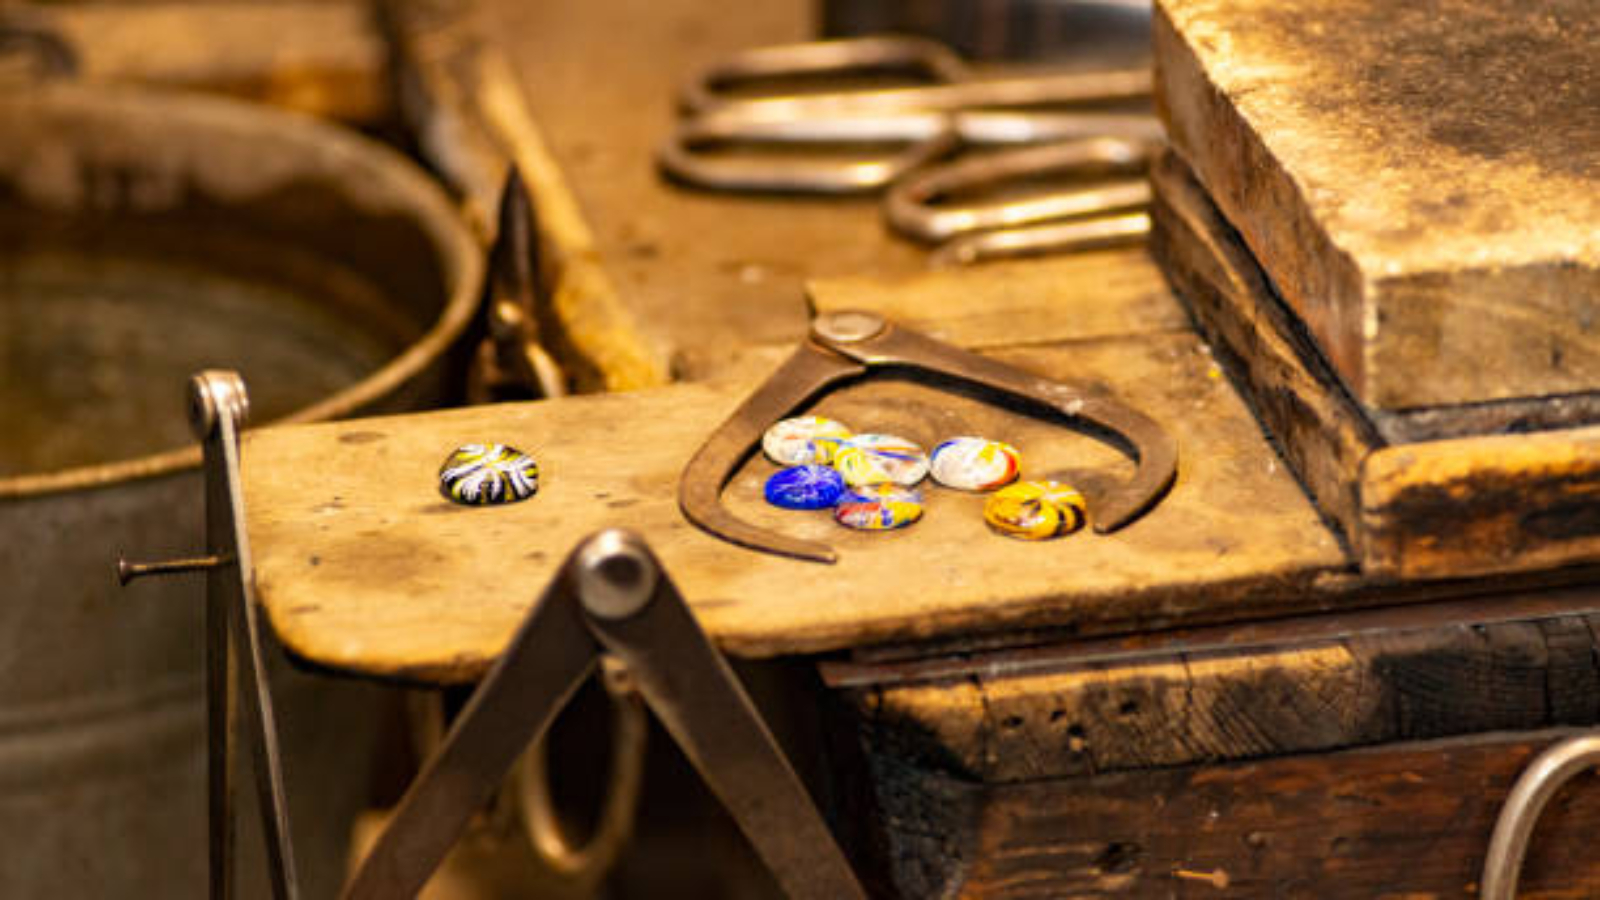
x: 611, y: 597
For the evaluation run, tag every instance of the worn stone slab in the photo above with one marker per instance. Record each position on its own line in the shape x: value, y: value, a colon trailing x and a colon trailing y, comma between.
x: 1421, y: 181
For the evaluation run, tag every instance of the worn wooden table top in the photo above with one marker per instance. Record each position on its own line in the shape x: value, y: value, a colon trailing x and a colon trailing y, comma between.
x: 705, y: 274
x: 1421, y: 181
x: 363, y: 566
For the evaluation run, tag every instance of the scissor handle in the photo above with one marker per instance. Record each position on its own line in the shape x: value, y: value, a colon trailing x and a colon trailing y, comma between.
x: 913, y: 210
x: 707, y: 90
x: 690, y: 155
x: 1072, y: 236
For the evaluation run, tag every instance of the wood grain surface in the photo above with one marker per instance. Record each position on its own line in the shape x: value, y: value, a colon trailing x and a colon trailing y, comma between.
x: 706, y: 274
x: 1488, y: 504
x: 363, y: 566
x: 1513, y: 499
x: 1422, y: 184
x: 1400, y: 822
x: 1186, y: 709
x: 1112, y: 293
x: 1324, y: 435
x: 324, y: 59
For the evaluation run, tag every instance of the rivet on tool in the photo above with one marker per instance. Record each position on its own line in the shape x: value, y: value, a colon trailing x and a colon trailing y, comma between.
x: 616, y: 575
x: 847, y: 327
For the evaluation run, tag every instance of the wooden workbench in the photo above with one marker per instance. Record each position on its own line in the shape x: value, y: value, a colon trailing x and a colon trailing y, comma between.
x: 363, y: 565
x: 1343, y: 767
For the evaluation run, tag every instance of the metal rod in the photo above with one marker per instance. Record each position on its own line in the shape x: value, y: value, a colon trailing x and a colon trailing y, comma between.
x: 1030, y: 91
x: 131, y: 571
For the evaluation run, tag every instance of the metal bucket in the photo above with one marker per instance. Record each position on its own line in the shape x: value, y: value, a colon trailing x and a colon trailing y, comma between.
x: 144, y: 236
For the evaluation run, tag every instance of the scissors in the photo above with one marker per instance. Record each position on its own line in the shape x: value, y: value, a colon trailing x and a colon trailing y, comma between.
x: 1041, y: 119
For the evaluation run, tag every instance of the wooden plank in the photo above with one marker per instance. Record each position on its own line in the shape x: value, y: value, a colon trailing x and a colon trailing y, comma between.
x: 363, y: 566
x: 1534, y: 503
x: 1320, y: 431
x: 1443, y: 508
x: 1113, y: 293
x: 325, y: 59
x: 1422, y: 184
x: 1400, y: 821
x: 1169, y: 710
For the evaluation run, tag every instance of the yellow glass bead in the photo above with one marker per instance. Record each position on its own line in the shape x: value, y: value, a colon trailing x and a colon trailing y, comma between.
x: 1035, y: 510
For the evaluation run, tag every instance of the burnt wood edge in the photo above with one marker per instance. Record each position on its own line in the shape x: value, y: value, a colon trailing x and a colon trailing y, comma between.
x: 1482, y: 505
x: 1191, y: 708
x: 1396, y: 526
x: 1409, y: 820
x: 1301, y: 403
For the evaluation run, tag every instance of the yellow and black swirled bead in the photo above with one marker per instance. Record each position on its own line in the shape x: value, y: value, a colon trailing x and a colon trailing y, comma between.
x: 1035, y: 510
x: 488, y: 475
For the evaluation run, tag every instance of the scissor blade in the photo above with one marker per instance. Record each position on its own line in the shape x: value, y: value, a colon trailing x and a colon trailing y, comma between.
x: 1051, y: 90
x: 809, y: 372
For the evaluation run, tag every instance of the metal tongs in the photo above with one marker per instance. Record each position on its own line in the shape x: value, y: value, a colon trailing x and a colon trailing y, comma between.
x: 1052, y: 118
x: 845, y: 345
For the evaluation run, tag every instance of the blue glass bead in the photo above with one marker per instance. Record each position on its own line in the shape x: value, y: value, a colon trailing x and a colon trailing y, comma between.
x: 805, y: 487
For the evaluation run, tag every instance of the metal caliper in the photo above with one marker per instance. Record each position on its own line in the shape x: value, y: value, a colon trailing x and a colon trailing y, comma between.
x: 847, y: 345
x: 611, y: 597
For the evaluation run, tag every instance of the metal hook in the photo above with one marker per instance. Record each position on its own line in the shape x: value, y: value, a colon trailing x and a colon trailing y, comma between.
x: 1534, y: 787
